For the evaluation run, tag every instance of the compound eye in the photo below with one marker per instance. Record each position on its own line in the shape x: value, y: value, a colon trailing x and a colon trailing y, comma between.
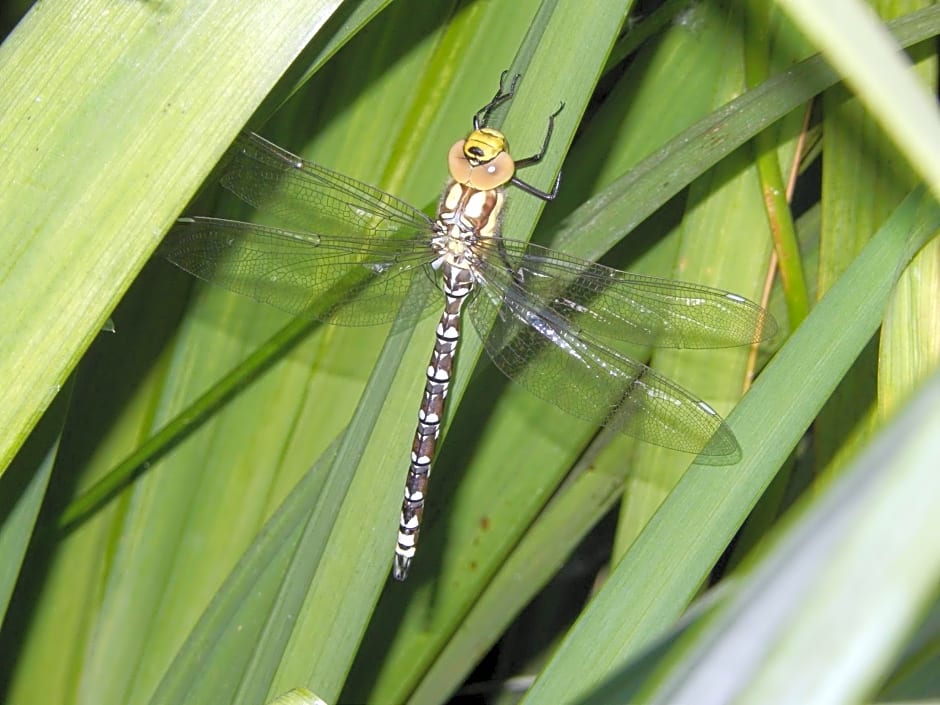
x: 493, y: 174
x: 457, y: 163
x: 482, y: 177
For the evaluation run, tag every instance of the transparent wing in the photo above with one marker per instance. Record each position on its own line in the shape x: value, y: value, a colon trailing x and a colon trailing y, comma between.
x: 538, y: 349
x: 307, y: 196
x: 623, y: 306
x: 344, y: 281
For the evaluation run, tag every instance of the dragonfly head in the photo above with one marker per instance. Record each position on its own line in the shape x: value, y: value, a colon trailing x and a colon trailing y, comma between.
x: 482, y: 160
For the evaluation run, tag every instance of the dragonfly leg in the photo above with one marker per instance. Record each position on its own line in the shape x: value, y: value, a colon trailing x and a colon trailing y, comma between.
x: 535, y: 159
x: 482, y: 116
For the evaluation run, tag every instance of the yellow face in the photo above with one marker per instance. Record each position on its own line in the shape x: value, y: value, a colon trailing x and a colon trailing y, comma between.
x: 481, y: 161
x: 484, y: 145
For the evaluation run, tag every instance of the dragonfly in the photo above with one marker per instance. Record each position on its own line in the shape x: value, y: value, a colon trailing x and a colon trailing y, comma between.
x: 351, y: 254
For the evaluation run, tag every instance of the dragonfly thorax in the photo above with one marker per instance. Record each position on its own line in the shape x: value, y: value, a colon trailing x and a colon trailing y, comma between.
x: 482, y: 160
x: 466, y: 219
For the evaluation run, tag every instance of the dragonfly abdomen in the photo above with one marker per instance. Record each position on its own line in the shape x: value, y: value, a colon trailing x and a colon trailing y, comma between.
x: 458, y: 283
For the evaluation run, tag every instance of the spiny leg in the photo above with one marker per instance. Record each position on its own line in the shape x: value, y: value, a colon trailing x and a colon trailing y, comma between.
x: 482, y: 116
x: 535, y: 159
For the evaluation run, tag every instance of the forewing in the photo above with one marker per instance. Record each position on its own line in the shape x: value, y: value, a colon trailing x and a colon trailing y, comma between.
x: 615, y: 304
x: 344, y: 281
x: 307, y: 196
x: 537, y: 349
